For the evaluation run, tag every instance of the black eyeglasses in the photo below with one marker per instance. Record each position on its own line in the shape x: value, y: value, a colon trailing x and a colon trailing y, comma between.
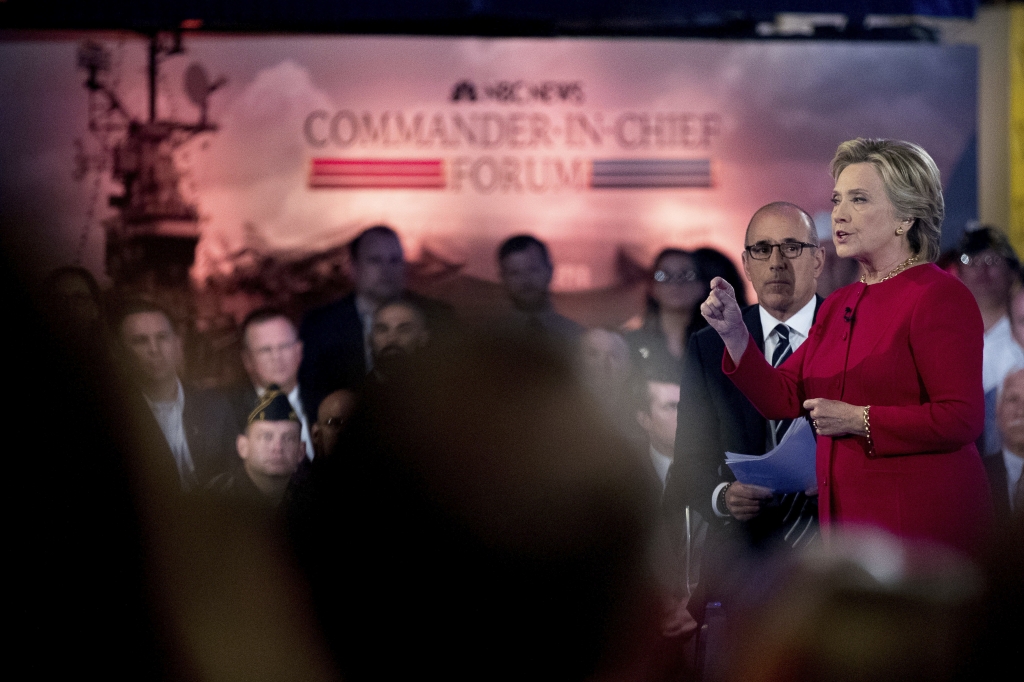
x: 683, y: 277
x: 763, y: 250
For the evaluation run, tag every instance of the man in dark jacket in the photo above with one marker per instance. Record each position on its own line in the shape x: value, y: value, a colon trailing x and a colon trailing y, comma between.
x: 197, y: 425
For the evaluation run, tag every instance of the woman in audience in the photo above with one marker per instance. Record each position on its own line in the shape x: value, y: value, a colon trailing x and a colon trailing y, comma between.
x: 674, y: 293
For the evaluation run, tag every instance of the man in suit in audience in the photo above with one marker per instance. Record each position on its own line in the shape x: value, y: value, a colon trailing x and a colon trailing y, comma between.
x: 1004, y: 470
x: 526, y: 271
x: 336, y: 337
x: 198, y: 425
x: 271, y: 355
x: 399, y: 331
x: 782, y: 261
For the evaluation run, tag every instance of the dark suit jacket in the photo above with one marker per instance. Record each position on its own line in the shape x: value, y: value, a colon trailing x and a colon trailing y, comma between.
x: 242, y: 399
x: 715, y: 417
x: 333, y: 353
x: 995, y: 468
x: 210, y: 430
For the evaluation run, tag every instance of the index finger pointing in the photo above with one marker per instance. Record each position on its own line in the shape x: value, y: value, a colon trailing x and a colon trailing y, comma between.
x: 720, y: 284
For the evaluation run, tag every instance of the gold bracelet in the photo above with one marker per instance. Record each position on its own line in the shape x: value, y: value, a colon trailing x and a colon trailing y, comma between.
x: 867, y: 428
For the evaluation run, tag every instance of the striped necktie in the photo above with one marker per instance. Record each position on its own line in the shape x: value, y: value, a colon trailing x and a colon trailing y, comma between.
x: 798, y: 513
x: 783, y: 349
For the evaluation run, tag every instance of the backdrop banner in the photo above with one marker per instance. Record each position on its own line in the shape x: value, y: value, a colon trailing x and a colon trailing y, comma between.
x: 598, y: 146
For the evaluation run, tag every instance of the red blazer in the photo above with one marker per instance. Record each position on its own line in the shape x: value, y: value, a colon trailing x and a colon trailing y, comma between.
x: 911, y: 348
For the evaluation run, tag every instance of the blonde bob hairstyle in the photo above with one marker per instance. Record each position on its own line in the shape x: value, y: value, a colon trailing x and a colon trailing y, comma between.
x: 912, y: 184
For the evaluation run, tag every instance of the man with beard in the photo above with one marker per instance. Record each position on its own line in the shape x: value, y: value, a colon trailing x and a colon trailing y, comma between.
x: 526, y: 270
x: 399, y: 330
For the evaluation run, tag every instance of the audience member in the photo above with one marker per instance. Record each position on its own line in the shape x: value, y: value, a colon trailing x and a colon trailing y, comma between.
x: 399, y: 330
x: 336, y: 337
x: 333, y: 412
x: 270, y: 451
x: 676, y: 559
x: 713, y: 263
x: 715, y: 417
x: 674, y: 294
x: 989, y: 268
x: 74, y: 306
x: 1005, y: 471
x: 271, y: 355
x: 198, y: 425
x: 606, y: 367
x: 864, y: 608
x: 1017, y: 316
x: 485, y: 502
x: 657, y: 414
x: 526, y: 270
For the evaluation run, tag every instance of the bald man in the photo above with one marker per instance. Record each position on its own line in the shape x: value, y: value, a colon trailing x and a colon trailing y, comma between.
x: 782, y: 260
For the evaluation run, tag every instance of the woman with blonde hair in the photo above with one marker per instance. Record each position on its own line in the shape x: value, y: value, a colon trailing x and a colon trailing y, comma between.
x: 890, y: 374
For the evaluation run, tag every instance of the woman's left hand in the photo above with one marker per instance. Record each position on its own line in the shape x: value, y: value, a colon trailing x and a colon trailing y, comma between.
x: 835, y: 418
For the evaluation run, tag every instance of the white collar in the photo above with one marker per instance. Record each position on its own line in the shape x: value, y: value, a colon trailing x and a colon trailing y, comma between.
x: 1000, y: 328
x: 292, y: 395
x: 661, y: 464
x: 178, y: 402
x: 800, y: 322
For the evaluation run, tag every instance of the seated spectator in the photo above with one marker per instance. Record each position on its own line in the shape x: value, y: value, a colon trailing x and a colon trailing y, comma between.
x: 713, y: 263
x: 1017, y: 316
x: 657, y: 413
x: 676, y: 559
x: 334, y: 411
x: 270, y: 450
x: 1004, y: 471
x: 198, y: 425
x: 526, y: 271
x: 490, y: 507
x: 607, y: 368
x: 336, y: 337
x: 399, y: 330
x: 74, y: 306
x: 988, y: 266
x: 271, y: 355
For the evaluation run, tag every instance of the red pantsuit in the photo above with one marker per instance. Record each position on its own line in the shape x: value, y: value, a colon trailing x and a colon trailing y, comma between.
x: 911, y: 348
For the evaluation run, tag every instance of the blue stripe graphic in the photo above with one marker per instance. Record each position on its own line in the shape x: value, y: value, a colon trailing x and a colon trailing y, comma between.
x: 650, y: 173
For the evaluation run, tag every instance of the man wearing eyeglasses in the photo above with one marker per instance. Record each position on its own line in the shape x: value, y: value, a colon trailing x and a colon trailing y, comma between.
x: 271, y: 355
x: 782, y: 261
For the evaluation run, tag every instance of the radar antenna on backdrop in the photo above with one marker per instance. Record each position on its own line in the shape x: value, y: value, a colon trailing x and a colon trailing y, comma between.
x: 152, y: 238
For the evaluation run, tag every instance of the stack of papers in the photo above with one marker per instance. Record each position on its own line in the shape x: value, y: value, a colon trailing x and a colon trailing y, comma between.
x: 787, y: 468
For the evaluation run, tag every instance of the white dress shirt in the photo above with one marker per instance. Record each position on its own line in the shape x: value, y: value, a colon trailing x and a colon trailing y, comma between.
x: 1001, y: 355
x: 799, y: 327
x: 661, y: 464
x: 168, y: 415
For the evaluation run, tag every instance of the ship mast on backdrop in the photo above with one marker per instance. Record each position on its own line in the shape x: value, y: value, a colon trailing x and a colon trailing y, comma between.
x: 151, y: 240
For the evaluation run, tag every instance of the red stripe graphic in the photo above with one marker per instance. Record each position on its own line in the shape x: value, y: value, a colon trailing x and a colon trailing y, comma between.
x: 377, y: 174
